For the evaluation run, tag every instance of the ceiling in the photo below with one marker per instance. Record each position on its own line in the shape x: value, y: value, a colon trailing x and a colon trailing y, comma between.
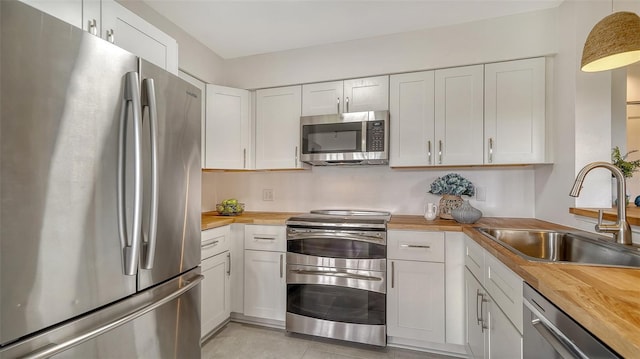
x: 242, y: 28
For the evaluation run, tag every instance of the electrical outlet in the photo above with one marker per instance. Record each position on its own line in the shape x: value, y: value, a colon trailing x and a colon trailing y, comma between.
x: 267, y: 194
x: 481, y: 194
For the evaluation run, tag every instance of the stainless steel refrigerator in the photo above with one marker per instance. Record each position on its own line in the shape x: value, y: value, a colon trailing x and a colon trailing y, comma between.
x: 100, y: 197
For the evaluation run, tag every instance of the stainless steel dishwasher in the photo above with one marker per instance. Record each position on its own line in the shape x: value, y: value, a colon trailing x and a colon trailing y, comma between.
x: 549, y: 333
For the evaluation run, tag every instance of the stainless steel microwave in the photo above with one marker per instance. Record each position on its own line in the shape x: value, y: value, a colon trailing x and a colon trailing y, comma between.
x: 354, y: 138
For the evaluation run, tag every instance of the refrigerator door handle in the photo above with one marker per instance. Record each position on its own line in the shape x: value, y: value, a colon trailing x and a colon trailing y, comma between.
x: 149, y: 234
x: 55, y: 348
x: 130, y: 103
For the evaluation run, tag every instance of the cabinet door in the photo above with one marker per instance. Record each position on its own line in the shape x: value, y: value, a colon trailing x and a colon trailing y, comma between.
x: 366, y: 94
x: 514, y: 112
x: 415, y: 300
x: 278, y: 128
x: 130, y: 32
x: 215, y: 292
x: 264, y: 284
x: 227, y: 133
x: 503, y: 340
x: 411, y: 106
x: 237, y: 268
x: 69, y: 11
x: 459, y: 94
x: 476, y: 314
x: 323, y: 98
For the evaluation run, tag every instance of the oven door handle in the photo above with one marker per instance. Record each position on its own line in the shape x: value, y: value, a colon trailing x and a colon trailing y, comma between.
x: 336, y: 274
x: 293, y: 235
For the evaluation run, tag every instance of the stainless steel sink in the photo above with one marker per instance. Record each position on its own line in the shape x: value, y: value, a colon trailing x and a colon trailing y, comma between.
x: 566, y: 247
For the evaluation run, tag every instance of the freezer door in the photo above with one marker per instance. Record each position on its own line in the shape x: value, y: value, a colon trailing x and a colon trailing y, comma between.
x: 173, y: 246
x: 162, y: 322
x: 61, y: 93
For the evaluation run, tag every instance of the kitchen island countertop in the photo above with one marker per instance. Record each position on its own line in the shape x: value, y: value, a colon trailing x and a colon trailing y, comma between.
x: 605, y: 300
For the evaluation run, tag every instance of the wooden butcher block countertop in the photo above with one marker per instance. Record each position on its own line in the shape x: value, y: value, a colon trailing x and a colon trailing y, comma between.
x: 605, y: 300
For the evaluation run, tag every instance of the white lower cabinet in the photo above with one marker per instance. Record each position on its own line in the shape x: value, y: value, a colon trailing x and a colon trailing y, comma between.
x: 265, y: 284
x: 493, y: 308
x: 425, y: 290
x: 416, y: 301
x: 215, y: 292
x: 265, y: 281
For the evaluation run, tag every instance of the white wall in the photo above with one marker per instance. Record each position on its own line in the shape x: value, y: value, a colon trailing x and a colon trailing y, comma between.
x: 519, y: 36
x: 193, y: 57
x: 509, y: 191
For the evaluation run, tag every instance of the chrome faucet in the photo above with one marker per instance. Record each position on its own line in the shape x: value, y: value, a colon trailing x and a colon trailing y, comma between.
x: 621, y: 229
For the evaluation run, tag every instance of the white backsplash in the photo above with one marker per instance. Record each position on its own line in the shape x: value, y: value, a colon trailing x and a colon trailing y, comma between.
x: 509, y: 191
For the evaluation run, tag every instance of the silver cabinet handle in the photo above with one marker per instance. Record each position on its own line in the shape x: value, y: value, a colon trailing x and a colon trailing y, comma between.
x: 149, y: 234
x: 440, y: 152
x: 281, y: 264
x: 429, y: 150
x: 93, y: 27
x: 244, y: 158
x: 209, y: 243
x: 490, y: 150
x: 51, y: 349
x: 229, y: 258
x: 130, y: 246
x: 393, y: 274
x: 111, y: 36
x: 295, y: 163
x: 483, y: 325
x: 264, y: 238
x: 338, y: 105
x: 415, y: 246
x: 478, y: 311
x: 347, y: 101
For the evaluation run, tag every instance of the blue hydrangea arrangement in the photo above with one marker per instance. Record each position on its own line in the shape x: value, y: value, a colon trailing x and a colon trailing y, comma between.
x: 452, y: 184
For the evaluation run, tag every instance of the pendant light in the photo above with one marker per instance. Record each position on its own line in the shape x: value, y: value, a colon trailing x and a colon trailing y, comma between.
x: 613, y: 42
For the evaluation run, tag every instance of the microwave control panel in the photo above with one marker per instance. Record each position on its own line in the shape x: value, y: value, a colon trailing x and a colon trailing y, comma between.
x: 375, y: 136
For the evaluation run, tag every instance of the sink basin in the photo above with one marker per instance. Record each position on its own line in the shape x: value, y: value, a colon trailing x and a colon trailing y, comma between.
x: 565, y: 247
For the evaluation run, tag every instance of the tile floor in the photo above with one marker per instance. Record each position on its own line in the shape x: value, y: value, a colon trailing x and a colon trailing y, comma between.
x: 246, y: 341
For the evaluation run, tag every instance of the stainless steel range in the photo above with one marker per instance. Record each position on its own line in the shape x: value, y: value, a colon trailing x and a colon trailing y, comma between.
x: 336, y: 275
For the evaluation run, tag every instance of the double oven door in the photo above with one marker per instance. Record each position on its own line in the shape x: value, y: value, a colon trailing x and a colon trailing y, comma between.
x: 336, y: 283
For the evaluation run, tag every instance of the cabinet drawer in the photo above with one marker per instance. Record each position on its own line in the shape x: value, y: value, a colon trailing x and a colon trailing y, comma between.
x: 416, y: 245
x: 474, y: 258
x: 265, y: 238
x: 215, y: 241
x: 505, y: 287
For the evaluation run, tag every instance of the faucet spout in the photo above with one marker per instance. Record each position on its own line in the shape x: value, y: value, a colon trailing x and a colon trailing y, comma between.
x: 621, y: 229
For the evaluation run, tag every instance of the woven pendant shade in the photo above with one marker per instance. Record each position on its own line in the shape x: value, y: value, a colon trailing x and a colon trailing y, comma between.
x: 614, y: 42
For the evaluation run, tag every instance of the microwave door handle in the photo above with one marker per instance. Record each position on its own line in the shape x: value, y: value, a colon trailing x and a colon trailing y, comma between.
x: 364, y: 136
x: 338, y: 106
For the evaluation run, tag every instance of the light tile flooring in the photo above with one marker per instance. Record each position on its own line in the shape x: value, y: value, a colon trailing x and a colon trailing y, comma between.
x: 252, y: 342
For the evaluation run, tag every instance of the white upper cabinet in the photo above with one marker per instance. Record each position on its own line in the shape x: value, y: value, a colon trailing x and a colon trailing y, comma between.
x: 367, y: 94
x: 130, y: 32
x: 411, y: 107
x: 69, y: 11
x: 364, y: 94
x: 227, y: 128
x: 116, y: 24
x: 278, y: 128
x: 514, y: 112
x: 459, y: 95
x: 322, y: 98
